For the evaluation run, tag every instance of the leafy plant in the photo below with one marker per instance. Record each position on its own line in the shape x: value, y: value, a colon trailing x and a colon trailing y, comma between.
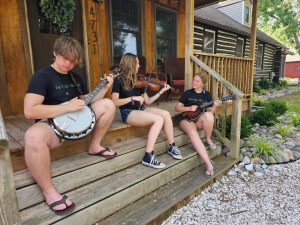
x: 284, y: 130
x: 265, y: 116
x: 264, y: 83
x: 246, y: 127
x: 258, y: 101
x: 58, y: 12
x: 279, y: 107
x: 263, y: 147
x: 296, y: 120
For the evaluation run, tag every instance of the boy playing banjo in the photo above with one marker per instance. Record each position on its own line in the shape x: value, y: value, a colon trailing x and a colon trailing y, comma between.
x: 48, y: 88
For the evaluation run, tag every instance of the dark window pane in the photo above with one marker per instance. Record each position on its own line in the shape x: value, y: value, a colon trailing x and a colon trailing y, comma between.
x: 239, y: 47
x: 209, y: 41
x: 126, y: 27
x: 166, y: 38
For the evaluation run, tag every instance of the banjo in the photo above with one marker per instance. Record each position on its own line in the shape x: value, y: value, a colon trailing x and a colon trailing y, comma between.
x: 78, y: 124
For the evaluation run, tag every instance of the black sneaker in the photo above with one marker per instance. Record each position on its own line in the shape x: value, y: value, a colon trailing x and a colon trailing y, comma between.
x: 174, y: 152
x: 150, y: 160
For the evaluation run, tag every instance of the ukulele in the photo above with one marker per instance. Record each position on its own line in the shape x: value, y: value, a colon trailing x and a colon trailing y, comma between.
x: 194, y: 115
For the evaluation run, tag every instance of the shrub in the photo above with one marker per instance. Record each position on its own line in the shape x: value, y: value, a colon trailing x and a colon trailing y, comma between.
x: 256, y: 87
x: 263, y: 147
x: 284, y: 130
x: 265, y: 116
x: 258, y: 101
x: 296, y: 120
x: 265, y: 83
x: 246, y: 127
x: 279, y: 107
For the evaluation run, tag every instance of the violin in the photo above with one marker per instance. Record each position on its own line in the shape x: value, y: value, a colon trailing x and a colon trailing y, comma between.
x: 153, y: 84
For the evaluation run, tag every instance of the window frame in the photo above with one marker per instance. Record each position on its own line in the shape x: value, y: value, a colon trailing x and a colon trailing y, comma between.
x: 214, y: 40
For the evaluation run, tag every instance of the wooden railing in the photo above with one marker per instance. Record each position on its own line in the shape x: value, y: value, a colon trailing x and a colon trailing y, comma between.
x: 9, y: 213
x: 220, y: 86
x: 235, y: 70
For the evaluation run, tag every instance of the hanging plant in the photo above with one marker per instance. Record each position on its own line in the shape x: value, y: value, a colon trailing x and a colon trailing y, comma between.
x: 59, y: 12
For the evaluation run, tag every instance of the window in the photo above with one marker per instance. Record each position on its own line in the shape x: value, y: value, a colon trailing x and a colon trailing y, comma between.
x: 259, y: 56
x: 166, y: 35
x: 247, y: 14
x: 239, y: 51
x: 297, y: 68
x: 209, y: 41
x: 126, y: 28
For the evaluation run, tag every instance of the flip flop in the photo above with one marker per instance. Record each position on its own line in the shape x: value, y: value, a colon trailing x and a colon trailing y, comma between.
x: 100, y: 153
x: 209, y: 173
x: 212, y: 146
x: 67, y: 210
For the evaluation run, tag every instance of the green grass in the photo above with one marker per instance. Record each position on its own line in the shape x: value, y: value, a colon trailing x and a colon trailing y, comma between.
x: 292, y: 101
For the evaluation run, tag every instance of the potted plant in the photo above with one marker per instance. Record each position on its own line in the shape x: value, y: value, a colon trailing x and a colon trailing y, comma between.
x: 60, y: 13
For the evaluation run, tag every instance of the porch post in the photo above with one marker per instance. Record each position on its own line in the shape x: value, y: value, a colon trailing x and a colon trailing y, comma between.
x: 252, y: 47
x: 189, y: 38
x: 9, y: 212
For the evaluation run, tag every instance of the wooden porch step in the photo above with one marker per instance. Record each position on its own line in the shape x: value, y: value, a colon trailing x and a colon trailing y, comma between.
x: 102, y: 197
x: 157, y: 206
x: 118, y: 132
x: 66, y: 171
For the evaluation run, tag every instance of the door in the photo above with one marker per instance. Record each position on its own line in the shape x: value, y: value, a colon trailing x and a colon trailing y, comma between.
x: 43, y: 34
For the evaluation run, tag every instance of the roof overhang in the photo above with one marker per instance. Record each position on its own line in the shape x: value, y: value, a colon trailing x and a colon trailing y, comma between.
x: 203, y: 3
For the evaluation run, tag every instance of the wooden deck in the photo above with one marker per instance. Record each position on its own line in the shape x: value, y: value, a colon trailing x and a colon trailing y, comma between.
x: 113, y: 191
x: 17, y: 125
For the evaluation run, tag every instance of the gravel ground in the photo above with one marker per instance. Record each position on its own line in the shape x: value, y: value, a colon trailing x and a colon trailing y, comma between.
x: 271, y: 197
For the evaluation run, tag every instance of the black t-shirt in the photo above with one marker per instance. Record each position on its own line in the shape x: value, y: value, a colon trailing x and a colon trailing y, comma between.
x: 190, y: 97
x: 118, y: 88
x: 55, y: 87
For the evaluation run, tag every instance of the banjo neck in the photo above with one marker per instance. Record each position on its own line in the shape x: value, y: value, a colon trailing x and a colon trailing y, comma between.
x: 99, y: 87
x: 92, y: 95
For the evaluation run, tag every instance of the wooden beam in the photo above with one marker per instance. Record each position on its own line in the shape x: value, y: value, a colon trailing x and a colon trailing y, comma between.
x: 4, y: 103
x: 8, y: 199
x: 189, y: 38
x: 235, y: 129
x: 252, y: 47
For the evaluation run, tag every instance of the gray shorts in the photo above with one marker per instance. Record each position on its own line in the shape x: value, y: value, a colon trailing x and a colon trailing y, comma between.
x: 46, y: 121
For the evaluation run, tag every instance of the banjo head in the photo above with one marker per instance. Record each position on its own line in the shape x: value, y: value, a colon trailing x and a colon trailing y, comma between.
x: 75, y: 122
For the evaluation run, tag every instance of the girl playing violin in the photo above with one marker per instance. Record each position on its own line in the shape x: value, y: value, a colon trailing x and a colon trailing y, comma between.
x: 130, y: 101
x: 189, y: 101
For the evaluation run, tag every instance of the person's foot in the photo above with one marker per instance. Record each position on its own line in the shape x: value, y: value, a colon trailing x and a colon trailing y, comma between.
x: 174, y: 152
x: 151, y: 161
x: 211, y: 145
x: 209, y: 173
x: 102, y: 151
x: 58, y: 202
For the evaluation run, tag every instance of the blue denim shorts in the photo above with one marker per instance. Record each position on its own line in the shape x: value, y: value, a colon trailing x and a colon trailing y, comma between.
x: 125, y: 113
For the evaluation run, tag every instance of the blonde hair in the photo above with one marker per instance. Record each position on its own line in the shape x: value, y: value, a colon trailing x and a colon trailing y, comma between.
x: 203, y: 77
x: 69, y: 48
x: 127, y: 67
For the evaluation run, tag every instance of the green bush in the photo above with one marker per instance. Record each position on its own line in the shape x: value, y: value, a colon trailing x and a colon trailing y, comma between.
x: 264, y: 116
x: 263, y: 147
x: 246, y: 127
x: 296, y: 120
x: 257, y: 101
x: 283, y: 129
x: 264, y: 83
x: 256, y: 87
x: 279, y: 107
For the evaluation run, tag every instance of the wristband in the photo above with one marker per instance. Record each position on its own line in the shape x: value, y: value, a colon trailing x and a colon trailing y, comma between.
x: 131, y: 99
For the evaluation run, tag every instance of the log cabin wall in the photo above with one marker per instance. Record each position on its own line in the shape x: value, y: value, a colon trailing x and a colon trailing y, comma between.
x: 16, y: 59
x: 14, y: 75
